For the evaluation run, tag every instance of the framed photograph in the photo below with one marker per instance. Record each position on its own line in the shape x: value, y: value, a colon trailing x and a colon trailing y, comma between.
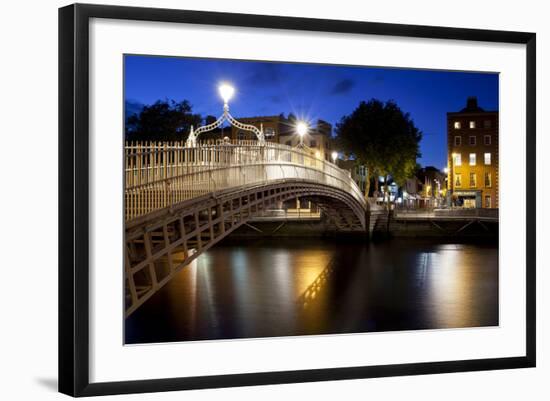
x: 252, y: 199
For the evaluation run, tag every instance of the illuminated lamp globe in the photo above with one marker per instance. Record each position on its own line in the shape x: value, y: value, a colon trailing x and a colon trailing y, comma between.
x: 301, y: 128
x: 226, y: 92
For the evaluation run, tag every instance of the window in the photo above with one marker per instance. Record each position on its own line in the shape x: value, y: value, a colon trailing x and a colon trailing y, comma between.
x: 472, y: 124
x: 487, y: 124
x: 241, y: 135
x: 487, y: 159
x: 472, y: 159
x: 457, y: 159
x: 472, y: 140
x: 269, y: 132
x: 487, y: 201
x: 487, y: 179
x: 457, y: 124
x: 487, y: 140
x: 288, y: 143
x: 458, y: 140
x: 313, y: 144
x: 473, y: 179
x: 458, y: 180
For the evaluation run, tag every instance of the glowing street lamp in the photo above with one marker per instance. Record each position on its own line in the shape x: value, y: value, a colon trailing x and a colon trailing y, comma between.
x: 334, y: 156
x: 301, y: 129
x: 226, y: 92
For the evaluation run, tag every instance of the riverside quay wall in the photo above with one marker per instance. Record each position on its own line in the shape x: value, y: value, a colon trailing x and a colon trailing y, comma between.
x: 482, y: 223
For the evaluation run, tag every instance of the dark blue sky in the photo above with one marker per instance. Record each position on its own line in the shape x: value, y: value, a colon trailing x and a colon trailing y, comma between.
x: 311, y: 91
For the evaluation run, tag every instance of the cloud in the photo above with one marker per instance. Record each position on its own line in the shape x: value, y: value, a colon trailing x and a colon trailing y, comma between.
x: 264, y: 74
x: 343, y: 86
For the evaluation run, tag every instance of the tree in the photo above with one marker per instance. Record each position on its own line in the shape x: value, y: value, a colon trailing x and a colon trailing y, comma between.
x: 209, y: 119
x: 383, y: 138
x: 162, y: 121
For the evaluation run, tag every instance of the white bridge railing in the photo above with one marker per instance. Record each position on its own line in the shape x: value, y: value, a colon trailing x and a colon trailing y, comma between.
x: 160, y: 175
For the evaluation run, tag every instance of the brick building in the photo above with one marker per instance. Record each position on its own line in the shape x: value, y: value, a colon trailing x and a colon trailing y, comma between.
x: 273, y: 127
x: 472, y: 156
x: 318, y: 139
x: 282, y: 130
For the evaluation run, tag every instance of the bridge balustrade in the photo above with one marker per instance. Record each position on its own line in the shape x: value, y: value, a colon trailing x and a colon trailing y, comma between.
x: 161, y: 175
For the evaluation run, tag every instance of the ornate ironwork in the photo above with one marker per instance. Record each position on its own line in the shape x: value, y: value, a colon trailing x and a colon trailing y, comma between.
x: 226, y: 116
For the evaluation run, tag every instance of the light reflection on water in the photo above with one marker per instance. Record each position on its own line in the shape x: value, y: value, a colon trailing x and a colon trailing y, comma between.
x: 289, y: 287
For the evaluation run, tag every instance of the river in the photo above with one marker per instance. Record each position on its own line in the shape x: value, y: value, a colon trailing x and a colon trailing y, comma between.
x: 288, y: 287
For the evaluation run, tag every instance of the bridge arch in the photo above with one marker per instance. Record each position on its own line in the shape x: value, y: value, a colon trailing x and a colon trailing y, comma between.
x: 181, y: 201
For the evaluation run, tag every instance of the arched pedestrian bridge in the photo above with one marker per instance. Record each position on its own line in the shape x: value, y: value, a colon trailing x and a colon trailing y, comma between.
x: 180, y: 200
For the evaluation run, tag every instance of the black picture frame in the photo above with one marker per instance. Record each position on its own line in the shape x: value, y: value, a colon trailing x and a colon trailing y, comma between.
x: 74, y: 198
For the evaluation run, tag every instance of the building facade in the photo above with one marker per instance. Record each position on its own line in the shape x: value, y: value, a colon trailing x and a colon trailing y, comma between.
x: 273, y: 127
x: 472, y: 157
x: 433, y: 186
x: 318, y: 139
x: 282, y: 130
x: 357, y: 171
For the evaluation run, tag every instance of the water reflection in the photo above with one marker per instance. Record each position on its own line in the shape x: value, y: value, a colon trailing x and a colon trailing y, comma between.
x: 278, y: 287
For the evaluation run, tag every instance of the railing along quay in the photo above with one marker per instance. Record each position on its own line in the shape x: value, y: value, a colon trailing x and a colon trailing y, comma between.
x: 161, y: 175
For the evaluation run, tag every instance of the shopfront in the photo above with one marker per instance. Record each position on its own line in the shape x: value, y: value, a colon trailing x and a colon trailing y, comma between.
x: 467, y: 199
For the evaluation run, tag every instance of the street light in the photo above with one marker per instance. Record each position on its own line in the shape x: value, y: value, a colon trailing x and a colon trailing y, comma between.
x: 334, y: 156
x: 226, y: 92
x: 301, y: 129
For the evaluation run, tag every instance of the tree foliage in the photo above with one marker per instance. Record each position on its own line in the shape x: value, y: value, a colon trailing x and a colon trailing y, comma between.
x: 382, y: 137
x: 166, y: 120
x: 209, y: 119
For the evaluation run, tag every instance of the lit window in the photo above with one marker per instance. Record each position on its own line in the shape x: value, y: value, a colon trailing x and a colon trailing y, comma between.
x: 458, y: 159
x: 472, y: 124
x: 473, y: 179
x: 472, y: 140
x: 457, y: 125
x: 488, y: 179
x: 487, y: 124
x: 458, y: 180
x: 458, y: 140
x: 487, y: 159
x: 472, y: 159
x: 487, y: 140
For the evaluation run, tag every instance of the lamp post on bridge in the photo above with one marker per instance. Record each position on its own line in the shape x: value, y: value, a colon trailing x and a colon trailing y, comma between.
x: 301, y: 129
x: 226, y: 92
